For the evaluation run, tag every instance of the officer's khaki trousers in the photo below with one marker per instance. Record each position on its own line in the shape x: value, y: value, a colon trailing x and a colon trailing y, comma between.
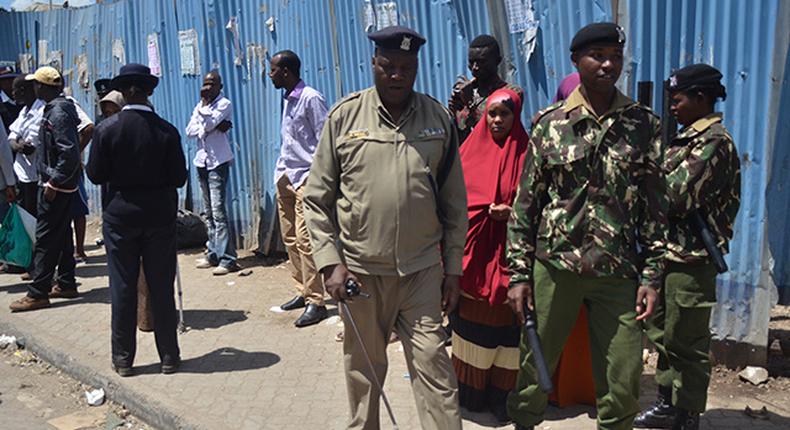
x: 615, y: 344
x: 680, y: 330
x: 412, y: 306
x: 297, y: 242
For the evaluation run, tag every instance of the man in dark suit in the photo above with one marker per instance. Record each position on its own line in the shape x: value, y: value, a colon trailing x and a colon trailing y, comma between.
x: 138, y: 155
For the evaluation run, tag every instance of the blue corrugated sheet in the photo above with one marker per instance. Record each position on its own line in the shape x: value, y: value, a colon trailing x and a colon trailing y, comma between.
x: 744, y: 39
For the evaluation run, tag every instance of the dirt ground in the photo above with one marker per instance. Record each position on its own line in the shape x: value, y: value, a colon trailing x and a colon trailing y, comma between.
x: 35, y: 395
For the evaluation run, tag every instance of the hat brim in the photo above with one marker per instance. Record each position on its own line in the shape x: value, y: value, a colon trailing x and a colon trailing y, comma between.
x: 149, y: 81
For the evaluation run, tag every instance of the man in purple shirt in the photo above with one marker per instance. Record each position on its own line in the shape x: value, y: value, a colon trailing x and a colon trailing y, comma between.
x: 209, y: 124
x: 304, y: 113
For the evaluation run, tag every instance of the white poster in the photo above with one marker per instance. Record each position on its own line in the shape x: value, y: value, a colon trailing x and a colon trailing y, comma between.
x: 43, y: 52
x: 190, y: 54
x: 55, y: 59
x: 386, y: 14
x: 82, y: 71
x: 26, y: 63
x: 118, y: 54
x: 520, y: 15
x: 233, y: 28
x: 154, y: 62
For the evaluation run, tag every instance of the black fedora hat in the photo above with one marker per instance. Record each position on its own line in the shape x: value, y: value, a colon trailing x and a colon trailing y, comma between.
x: 136, y: 74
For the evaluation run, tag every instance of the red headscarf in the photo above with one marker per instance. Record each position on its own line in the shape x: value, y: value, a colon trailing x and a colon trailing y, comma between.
x: 492, y: 172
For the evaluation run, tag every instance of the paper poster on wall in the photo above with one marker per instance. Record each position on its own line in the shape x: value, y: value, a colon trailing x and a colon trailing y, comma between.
x: 190, y: 54
x: 386, y: 14
x: 26, y: 63
x: 233, y: 27
x: 368, y: 16
x: 82, y: 70
x: 118, y: 55
x: 43, y: 52
x: 154, y: 61
x: 55, y: 59
x: 520, y: 15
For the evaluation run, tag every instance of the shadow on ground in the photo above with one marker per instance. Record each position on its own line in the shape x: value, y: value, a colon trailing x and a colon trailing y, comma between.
x: 220, y: 360
x: 202, y: 319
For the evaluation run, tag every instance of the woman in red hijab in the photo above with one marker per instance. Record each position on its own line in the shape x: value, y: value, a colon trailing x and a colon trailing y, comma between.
x: 485, y: 331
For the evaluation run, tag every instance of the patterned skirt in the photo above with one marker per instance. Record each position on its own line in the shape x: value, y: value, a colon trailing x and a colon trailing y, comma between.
x: 485, y: 354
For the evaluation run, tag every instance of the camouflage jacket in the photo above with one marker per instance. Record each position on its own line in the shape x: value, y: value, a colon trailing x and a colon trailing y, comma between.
x: 592, y: 195
x: 703, y: 171
x: 467, y: 118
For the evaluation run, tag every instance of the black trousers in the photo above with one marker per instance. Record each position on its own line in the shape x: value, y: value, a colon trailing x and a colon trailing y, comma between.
x: 27, y: 197
x: 125, y: 246
x: 54, y: 246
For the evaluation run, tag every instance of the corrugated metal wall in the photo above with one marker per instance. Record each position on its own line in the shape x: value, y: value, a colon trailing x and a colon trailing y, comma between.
x: 743, y: 39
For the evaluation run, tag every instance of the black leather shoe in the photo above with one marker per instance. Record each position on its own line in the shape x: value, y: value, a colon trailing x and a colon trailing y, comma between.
x: 686, y: 420
x: 312, y: 315
x: 123, y: 371
x: 295, y: 303
x: 171, y: 366
x: 659, y: 416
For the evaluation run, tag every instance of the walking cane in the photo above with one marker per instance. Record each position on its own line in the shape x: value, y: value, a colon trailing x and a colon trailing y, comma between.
x: 182, y: 328
x: 352, y: 289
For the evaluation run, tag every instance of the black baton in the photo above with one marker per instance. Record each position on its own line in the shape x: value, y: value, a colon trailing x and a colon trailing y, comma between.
x: 530, y: 327
x: 701, y: 227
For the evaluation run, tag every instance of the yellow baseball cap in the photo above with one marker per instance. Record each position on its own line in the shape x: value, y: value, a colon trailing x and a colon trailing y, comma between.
x: 46, y: 75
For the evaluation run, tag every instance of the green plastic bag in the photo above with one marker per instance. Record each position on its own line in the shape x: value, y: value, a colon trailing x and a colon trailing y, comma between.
x: 15, y: 245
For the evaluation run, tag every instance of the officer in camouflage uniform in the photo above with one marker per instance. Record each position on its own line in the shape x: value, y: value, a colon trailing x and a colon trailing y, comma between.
x: 589, y: 228
x: 385, y: 205
x: 703, y: 173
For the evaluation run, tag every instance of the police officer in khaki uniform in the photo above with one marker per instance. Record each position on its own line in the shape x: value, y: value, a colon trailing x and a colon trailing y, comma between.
x: 386, y: 206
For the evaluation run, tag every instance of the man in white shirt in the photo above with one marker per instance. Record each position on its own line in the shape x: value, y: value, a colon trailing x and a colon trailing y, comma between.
x: 24, y: 140
x: 210, y: 122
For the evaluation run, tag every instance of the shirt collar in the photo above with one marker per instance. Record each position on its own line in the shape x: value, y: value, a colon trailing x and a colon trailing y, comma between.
x: 296, y: 92
x: 577, y: 99
x: 699, y: 126
x: 145, y: 108
x: 412, y: 103
x: 4, y: 97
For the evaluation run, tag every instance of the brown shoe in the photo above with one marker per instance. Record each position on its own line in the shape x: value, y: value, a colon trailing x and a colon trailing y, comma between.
x: 29, y: 304
x: 58, y: 293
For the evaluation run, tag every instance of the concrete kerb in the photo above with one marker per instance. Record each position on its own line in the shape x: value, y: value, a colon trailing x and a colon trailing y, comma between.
x: 137, y: 403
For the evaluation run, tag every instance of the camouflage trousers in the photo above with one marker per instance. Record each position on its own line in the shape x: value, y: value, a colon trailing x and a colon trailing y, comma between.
x: 615, y: 344
x: 680, y: 330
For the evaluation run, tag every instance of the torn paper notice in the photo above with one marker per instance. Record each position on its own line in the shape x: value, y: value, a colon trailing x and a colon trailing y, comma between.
x: 43, y: 52
x: 118, y: 52
x: 519, y: 15
x: 531, y: 32
x: 154, y: 61
x: 386, y: 14
x: 368, y: 16
x: 82, y: 70
x: 55, y: 59
x: 189, y: 52
x: 270, y: 24
x: 26, y: 63
x: 233, y: 28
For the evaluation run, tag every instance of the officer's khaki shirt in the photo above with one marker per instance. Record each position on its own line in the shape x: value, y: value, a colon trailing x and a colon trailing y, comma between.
x: 372, y: 199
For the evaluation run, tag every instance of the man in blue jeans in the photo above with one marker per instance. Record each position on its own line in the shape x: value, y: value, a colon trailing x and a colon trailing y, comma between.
x: 209, y: 124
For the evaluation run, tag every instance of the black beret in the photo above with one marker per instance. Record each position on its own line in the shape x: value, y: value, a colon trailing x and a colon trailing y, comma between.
x: 607, y: 33
x: 397, y: 38
x: 695, y: 75
x: 102, y: 86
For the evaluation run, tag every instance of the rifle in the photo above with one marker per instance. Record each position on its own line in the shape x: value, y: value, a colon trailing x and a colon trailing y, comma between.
x: 695, y: 218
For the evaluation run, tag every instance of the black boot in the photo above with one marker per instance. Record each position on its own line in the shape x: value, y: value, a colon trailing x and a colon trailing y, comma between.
x: 686, y: 420
x: 661, y: 415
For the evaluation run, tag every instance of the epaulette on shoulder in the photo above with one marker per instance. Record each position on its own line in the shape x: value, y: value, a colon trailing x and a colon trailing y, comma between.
x: 353, y: 96
x: 545, y: 111
x: 647, y: 109
x: 444, y: 108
